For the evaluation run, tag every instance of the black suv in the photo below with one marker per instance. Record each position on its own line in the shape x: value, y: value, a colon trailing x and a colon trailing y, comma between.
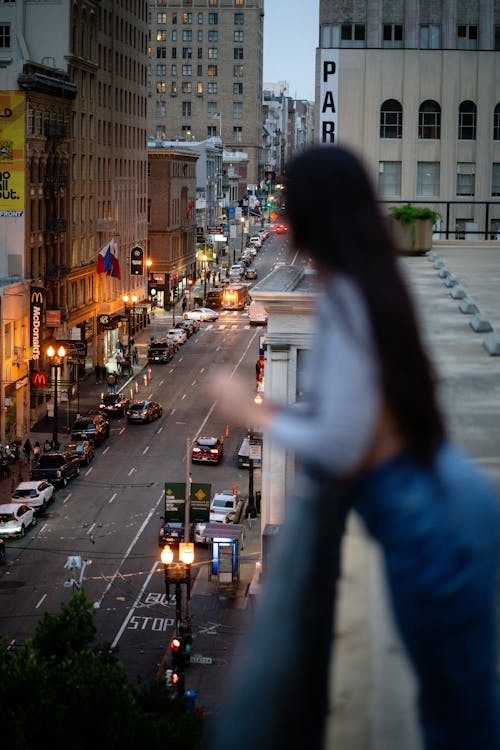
x: 93, y: 427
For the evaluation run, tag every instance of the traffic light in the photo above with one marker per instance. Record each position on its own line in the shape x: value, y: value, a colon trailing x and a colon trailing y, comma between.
x: 178, y: 683
x: 175, y: 652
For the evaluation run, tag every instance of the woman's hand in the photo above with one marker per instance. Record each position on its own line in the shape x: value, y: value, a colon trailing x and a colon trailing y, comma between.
x: 235, y: 399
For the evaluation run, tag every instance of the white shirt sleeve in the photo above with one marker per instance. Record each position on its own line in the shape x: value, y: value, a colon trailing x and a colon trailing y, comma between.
x: 343, y: 387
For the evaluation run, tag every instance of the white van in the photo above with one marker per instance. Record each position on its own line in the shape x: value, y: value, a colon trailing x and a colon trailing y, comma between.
x: 257, y: 315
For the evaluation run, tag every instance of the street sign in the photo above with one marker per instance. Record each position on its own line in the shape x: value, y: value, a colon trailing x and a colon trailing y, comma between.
x: 175, y: 499
x: 255, y: 450
x: 199, y: 510
x: 137, y: 261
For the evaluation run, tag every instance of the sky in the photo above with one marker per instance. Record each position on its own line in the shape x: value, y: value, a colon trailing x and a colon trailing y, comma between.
x: 291, y: 31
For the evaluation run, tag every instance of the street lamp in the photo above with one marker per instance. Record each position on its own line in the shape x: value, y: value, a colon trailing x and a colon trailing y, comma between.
x: 205, y: 263
x: 128, y: 314
x: 177, y: 573
x: 242, y: 219
x: 55, y: 361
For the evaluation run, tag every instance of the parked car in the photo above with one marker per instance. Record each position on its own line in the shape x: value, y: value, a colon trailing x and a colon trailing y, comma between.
x: 161, y: 352
x: 255, y: 240
x: 82, y: 449
x: 203, y: 314
x: 93, y: 427
x: 144, y: 411
x: 207, y: 450
x: 114, y: 405
x: 56, y: 467
x: 36, y: 494
x: 178, y: 335
x: 257, y: 314
x: 171, y: 533
x: 3, y: 550
x: 225, y: 507
x: 251, y: 273
x: 192, y: 322
x: 186, y: 327
x: 15, y: 519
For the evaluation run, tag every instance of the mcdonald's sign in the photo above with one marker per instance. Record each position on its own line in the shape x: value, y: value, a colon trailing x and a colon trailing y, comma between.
x: 39, y: 378
x: 37, y: 298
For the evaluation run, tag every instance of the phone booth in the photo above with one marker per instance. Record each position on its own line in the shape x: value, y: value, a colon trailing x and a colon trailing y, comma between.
x: 226, y: 540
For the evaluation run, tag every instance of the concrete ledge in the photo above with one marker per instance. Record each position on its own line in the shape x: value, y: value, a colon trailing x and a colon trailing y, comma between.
x: 431, y: 255
x: 458, y: 292
x: 492, y: 344
x: 438, y: 263
x: 450, y: 280
x: 480, y: 324
x: 443, y: 273
x: 468, y: 306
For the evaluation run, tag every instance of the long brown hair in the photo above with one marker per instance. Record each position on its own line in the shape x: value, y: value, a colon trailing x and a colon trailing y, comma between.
x: 334, y: 216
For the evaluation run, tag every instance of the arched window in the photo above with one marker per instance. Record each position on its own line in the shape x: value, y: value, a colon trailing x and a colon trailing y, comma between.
x: 467, y: 113
x: 496, y: 123
x: 429, y: 120
x: 391, y: 119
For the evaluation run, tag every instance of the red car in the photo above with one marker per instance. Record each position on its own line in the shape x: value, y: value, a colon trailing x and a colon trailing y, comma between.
x: 207, y: 450
x: 281, y: 228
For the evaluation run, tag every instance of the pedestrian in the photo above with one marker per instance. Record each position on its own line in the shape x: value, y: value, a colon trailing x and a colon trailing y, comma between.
x: 47, y: 446
x: 184, y: 305
x: 111, y: 382
x: 37, y: 451
x: 372, y: 440
x: 135, y: 356
x: 27, y: 451
x: 97, y: 370
x: 119, y: 360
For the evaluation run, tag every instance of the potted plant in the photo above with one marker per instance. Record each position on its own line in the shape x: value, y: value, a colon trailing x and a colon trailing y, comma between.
x: 413, y: 227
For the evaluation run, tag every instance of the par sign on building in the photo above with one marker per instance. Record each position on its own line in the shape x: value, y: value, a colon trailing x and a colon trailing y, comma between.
x: 327, y: 79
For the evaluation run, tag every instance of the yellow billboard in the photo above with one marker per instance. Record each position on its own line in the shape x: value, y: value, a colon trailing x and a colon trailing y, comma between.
x: 12, y: 144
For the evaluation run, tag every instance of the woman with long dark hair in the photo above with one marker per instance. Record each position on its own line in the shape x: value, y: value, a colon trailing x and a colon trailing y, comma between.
x: 374, y: 431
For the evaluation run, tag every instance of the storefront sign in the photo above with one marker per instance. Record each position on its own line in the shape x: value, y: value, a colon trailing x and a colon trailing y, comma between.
x: 75, y: 349
x: 39, y: 378
x: 52, y: 318
x: 37, y: 298
x: 12, y: 138
x: 328, y: 95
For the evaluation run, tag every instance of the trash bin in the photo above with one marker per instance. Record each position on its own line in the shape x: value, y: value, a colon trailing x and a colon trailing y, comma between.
x: 190, y: 699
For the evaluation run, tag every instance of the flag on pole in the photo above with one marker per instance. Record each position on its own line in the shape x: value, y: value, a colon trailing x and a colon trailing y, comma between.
x: 216, y: 116
x: 107, y: 260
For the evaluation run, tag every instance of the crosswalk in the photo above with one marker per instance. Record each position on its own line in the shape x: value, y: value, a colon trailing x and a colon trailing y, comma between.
x: 229, y: 319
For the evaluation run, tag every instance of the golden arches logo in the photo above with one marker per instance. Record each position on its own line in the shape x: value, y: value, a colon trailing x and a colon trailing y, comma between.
x: 37, y: 297
x: 39, y: 379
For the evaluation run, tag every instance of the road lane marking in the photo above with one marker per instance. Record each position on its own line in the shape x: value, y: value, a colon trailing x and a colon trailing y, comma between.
x: 159, y: 430
x: 161, y: 382
x: 202, y: 369
x: 132, y: 610
x: 106, y: 449
x: 171, y: 371
x: 41, y: 600
x: 88, y: 471
x: 122, y: 430
x: 217, y: 348
x: 183, y: 397
x: 172, y: 412
x: 131, y: 471
x: 193, y: 383
x: 112, y: 497
x: 145, y: 450
x: 67, y: 498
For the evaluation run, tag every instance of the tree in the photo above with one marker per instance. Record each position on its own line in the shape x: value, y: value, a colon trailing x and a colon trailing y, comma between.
x: 63, y: 690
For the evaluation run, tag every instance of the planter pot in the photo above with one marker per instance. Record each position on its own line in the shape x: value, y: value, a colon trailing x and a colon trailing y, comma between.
x: 414, y: 238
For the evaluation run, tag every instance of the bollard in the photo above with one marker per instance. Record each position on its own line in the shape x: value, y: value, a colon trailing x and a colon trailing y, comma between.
x: 149, y: 373
x: 136, y: 387
x: 131, y: 393
x: 145, y: 379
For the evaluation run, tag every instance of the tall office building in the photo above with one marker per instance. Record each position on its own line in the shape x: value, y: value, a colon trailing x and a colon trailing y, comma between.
x: 414, y: 86
x: 205, y: 73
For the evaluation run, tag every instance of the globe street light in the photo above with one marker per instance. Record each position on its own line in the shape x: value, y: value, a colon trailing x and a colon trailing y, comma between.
x: 55, y: 361
x: 242, y: 219
x: 205, y: 264
x: 128, y: 314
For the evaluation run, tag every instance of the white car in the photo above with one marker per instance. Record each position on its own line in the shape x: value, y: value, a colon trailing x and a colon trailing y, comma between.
x: 255, y: 240
x: 225, y: 507
x: 178, y: 335
x: 36, y: 494
x: 202, y: 313
x: 15, y: 518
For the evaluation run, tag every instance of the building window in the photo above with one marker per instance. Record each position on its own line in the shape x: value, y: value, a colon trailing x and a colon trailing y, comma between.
x: 199, y: 88
x: 237, y: 110
x: 161, y: 35
x: 213, y: 19
x: 212, y: 70
x: 199, y: 35
x: 467, y: 37
x: 213, y: 35
x: 239, y: 2
x: 238, y: 71
x: 495, y: 179
x: 466, y: 178
x: 213, y: 3
x: 161, y: 53
x: 352, y: 35
x: 186, y: 109
x: 187, y: 35
x: 239, y: 19
x: 429, y: 120
x: 187, y: 53
x: 212, y: 108
x: 173, y: 70
x: 427, y: 179
x: 497, y: 38
x: 389, y: 178
x: 467, y: 121
x: 212, y: 131
x: 186, y: 132
x: 161, y: 87
x: 187, y: 19
x: 174, y: 53
x: 174, y: 35
x: 187, y: 70
x: 237, y: 88
x: 200, y: 53
x: 238, y: 53
x: 496, y: 123
x: 173, y: 88
x: 392, y: 35
x: 237, y: 134
x: 213, y: 53
x: 161, y: 108
x: 430, y: 36
x: 199, y: 70
x: 161, y: 17
x: 200, y: 18
x: 161, y: 69
x: 174, y: 18
x: 391, y: 119
x: 212, y: 87
x: 239, y: 36
x: 187, y: 87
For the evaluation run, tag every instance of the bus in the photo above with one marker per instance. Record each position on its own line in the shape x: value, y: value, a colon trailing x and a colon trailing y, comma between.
x: 235, y: 297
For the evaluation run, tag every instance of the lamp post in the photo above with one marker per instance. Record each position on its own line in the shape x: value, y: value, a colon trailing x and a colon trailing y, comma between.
x: 128, y: 314
x: 205, y: 264
x: 55, y: 361
x: 178, y: 572
x: 242, y: 219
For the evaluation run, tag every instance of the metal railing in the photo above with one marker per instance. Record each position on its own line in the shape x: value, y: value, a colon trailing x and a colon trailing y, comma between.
x: 459, y: 218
